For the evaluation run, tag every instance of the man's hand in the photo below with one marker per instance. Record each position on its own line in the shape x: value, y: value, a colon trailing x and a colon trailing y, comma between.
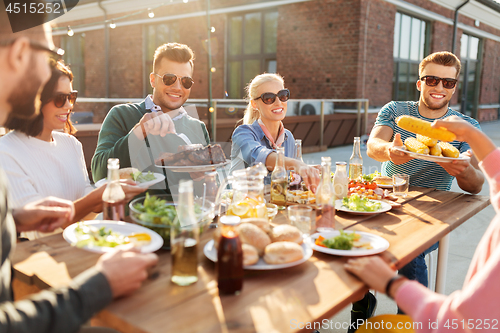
x: 125, y: 269
x: 373, y: 271
x: 396, y: 156
x: 455, y: 168
x: 44, y: 215
x: 154, y: 123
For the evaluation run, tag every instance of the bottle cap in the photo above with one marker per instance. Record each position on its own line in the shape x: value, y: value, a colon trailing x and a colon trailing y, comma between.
x: 230, y: 220
x: 185, y: 186
x: 340, y: 163
x: 113, y: 163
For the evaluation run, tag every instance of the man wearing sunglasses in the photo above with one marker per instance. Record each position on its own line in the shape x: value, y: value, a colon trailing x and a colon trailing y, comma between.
x: 437, y: 81
x: 138, y: 133
x: 23, y: 70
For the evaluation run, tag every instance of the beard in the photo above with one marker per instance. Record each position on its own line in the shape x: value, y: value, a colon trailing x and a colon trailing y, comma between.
x: 439, y: 106
x: 25, y: 99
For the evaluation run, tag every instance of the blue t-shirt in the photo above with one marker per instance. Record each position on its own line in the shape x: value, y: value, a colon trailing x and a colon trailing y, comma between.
x: 422, y: 173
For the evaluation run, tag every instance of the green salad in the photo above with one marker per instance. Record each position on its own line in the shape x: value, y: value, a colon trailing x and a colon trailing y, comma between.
x: 369, y: 178
x: 358, y: 204
x: 344, y: 241
x: 91, y: 236
x: 157, y: 211
x: 142, y: 178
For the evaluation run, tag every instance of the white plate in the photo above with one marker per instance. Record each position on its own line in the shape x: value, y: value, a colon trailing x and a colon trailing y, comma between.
x: 123, y: 228
x: 194, y: 168
x: 384, y: 185
x: 158, y: 178
x: 211, y: 253
x: 378, y: 243
x: 385, y: 207
x: 432, y: 158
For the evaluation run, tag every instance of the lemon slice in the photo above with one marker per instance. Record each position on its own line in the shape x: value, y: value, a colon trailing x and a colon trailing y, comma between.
x: 261, y: 211
x: 241, y: 209
x: 140, y: 239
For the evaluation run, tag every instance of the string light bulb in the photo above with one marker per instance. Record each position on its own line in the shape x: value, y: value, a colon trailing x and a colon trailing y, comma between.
x: 185, y: 1
x: 211, y: 109
x: 151, y: 14
x: 112, y: 25
x: 212, y: 29
x: 70, y: 31
x: 213, y: 69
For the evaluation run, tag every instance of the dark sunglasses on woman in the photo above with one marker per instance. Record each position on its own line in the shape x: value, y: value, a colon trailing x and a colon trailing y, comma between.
x: 60, y: 99
x: 433, y: 81
x: 169, y: 79
x: 269, y: 98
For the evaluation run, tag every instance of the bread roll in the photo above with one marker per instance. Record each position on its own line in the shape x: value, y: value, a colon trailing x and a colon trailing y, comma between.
x: 259, y: 222
x: 250, y: 255
x: 253, y: 235
x: 282, y: 253
x: 126, y: 173
x: 286, y: 233
x: 383, y: 180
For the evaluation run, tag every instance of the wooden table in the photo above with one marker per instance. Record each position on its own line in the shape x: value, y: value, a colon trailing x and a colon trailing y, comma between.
x: 271, y: 301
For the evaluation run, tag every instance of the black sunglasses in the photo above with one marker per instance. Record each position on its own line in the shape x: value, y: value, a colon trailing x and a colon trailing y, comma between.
x: 54, y: 53
x: 60, y: 99
x: 169, y: 79
x: 433, y: 81
x: 269, y: 98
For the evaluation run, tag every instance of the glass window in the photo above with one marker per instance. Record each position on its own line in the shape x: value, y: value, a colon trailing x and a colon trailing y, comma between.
x: 468, y: 82
x: 74, y: 57
x: 157, y: 35
x: 410, y: 45
x: 252, y: 40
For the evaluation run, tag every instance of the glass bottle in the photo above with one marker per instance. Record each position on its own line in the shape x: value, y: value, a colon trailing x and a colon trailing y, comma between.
x: 340, y: 180
x: 184, y: 238
x: 325, y: 198
x: 229, y: 257
x: 298, y: 149
x: 211, y: 187
x: 113, y: 197
x: 279, y: 180
x: 356, y: 160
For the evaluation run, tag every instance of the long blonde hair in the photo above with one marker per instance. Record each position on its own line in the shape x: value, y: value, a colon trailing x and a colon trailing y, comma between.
x: 251, y: 113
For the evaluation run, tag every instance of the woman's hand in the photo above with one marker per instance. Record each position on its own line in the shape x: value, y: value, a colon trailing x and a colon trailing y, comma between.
x: 131, y: 189
x: 309, y: 174
x: 456, y: 125
x: 373, y: 271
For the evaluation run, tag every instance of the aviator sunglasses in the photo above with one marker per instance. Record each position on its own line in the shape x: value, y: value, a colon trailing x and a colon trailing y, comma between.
x: 169, y: 79
x: 433, y: 81
x: 269, y: 98
x: 60, y: 99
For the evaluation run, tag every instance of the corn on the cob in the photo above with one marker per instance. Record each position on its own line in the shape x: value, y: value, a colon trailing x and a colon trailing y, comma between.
x: 426, y: 140
x: 448, y: 150
x: 419, y: 126
x: 436, y: 150
x: 416, y: 146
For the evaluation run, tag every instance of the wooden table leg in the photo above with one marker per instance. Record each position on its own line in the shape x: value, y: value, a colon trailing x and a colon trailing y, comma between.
x: 442, y: 263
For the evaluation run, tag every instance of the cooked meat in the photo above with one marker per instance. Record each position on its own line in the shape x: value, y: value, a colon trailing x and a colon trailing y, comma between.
x: 189, y: 147
x: 211, y: 154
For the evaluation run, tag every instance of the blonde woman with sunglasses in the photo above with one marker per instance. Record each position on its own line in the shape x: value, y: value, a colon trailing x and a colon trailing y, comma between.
x: 263, y: 132
x: 42, y: 158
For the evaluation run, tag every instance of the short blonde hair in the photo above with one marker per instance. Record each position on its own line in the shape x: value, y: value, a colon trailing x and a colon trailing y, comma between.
x: 251, y: 113
x: 443, y: 58
x: 176, y: 52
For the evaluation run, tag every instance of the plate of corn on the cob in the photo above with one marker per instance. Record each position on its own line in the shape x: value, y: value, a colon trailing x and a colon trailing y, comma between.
x: 430, y: 144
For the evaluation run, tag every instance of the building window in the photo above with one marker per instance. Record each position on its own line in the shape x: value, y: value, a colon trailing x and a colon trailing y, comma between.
x: 156, y: 35
x: 468, y: 84
x: 252, y: 39
x: 74, y: 57
x: 410, y: 45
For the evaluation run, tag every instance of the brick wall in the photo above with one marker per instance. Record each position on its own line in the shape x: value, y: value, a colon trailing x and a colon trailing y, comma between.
x: 320, y: 51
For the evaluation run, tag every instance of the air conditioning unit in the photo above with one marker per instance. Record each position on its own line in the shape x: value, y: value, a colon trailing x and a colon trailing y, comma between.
x: 307, y: 107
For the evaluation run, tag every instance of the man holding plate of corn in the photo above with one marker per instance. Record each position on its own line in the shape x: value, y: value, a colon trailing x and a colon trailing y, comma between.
x: 437, y: 82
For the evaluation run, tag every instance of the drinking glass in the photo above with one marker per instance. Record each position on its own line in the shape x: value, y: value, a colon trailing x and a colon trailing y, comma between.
x: 400, y: 184
x: 184, y: 242
x: 300, y: 217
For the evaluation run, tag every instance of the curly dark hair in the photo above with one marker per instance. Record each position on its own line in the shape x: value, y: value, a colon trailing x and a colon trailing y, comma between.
x: 34, y: 126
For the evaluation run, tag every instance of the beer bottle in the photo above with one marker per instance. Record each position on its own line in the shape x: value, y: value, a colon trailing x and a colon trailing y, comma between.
x: 279, y: 180
x: 356, y: 161
x: 113, y: 197
x: 229, y: 257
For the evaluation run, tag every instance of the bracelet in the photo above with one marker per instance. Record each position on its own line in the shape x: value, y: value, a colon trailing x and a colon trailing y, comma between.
x: 390, y: 282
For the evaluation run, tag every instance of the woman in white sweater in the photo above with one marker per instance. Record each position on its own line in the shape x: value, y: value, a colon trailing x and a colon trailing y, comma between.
x: 41, y: 161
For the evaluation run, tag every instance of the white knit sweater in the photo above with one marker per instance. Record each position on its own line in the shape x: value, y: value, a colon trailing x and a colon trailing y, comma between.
x: 36, y: 169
